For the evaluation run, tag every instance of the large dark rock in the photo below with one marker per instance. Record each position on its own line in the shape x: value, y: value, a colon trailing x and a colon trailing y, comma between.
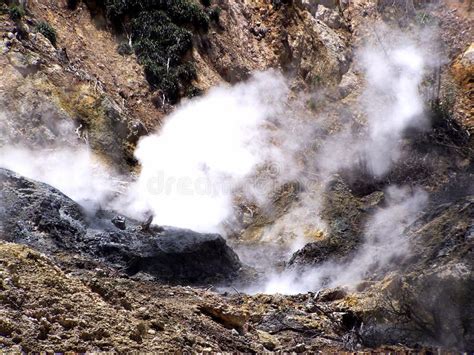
x: 38, y: 215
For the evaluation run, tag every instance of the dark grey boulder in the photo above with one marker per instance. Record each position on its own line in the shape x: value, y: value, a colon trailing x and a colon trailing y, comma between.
x: 40, y: 216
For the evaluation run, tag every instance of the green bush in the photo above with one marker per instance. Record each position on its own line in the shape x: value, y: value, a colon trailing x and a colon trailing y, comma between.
x: 16, y: 12
x: 115, y: 9
x: 182, y: 12
x: 161, y: 38
x: 48, y: 31
x: 186, y: 12
x: 214, y: 14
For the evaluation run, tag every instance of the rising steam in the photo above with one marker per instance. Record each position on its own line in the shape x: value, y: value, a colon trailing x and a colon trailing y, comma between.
x: 56, y: 156
x: 73, y: 171
x: 385, y: 241
x: 392, y: 103
x: 204, y: 151
x: 215, y: 148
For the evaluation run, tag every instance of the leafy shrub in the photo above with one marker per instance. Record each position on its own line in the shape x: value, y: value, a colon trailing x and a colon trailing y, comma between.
x: 206, y: 3
x: 193, y: 92
x: 16, y: 12
x: 48, y: 31
x: 179, y: 11
x: 115, y: 9
x: 161, y: 38
x: 214, y: 14
x: 155, y: 35
x: 184, y: 12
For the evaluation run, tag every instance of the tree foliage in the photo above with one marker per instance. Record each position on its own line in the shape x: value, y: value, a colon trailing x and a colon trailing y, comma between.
x: 48, y: 31
x: 16, y: 12
x: 161, y: 36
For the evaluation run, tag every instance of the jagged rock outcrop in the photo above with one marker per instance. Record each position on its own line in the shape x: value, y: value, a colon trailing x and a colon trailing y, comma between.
x: 40, y: 216
x: 426, y: 298
x: 273, y: 35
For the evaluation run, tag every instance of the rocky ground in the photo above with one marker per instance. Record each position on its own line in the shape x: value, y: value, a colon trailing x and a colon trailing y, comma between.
x: 70, y: 301
x: 70, y: 281
x: 95, y: 308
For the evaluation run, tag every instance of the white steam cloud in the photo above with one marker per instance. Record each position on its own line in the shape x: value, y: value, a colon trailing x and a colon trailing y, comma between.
x: 218, y: 148
x: 61, y: 160
x: 73, y: 171
x: 392, y: 103
x: 205, y: 151
x: 385, y: 241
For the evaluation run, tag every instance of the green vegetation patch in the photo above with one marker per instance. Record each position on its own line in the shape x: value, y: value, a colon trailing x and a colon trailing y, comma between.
x: 161, y: 35
x: 48, y: 31
x: 16, y: 12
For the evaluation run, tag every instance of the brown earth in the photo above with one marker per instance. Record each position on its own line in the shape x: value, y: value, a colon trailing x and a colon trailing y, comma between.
x: 48, y: 308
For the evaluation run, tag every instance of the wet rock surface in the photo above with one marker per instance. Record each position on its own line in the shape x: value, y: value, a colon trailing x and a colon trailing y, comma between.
x: 40, y: 216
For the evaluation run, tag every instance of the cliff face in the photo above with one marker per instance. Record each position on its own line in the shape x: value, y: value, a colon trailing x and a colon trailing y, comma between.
x: 106, y: 283
x: 83, y: 79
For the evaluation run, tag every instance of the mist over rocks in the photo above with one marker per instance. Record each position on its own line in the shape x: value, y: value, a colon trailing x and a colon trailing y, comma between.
x: 326, y: 143
x: 40, y: 216
x: 346, y: 214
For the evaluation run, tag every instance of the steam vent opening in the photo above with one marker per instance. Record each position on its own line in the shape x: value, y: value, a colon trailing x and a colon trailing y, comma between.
x: 236, y: 176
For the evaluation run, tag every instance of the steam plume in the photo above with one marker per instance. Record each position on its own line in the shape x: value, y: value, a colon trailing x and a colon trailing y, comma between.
x: 392, y: 103
x: 61, y: 162
x: 384, y: 241
x: 204, y: 151
x: 215, y: 147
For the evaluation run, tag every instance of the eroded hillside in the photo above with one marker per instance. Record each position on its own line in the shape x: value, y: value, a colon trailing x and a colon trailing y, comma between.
x: 367, y: 256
